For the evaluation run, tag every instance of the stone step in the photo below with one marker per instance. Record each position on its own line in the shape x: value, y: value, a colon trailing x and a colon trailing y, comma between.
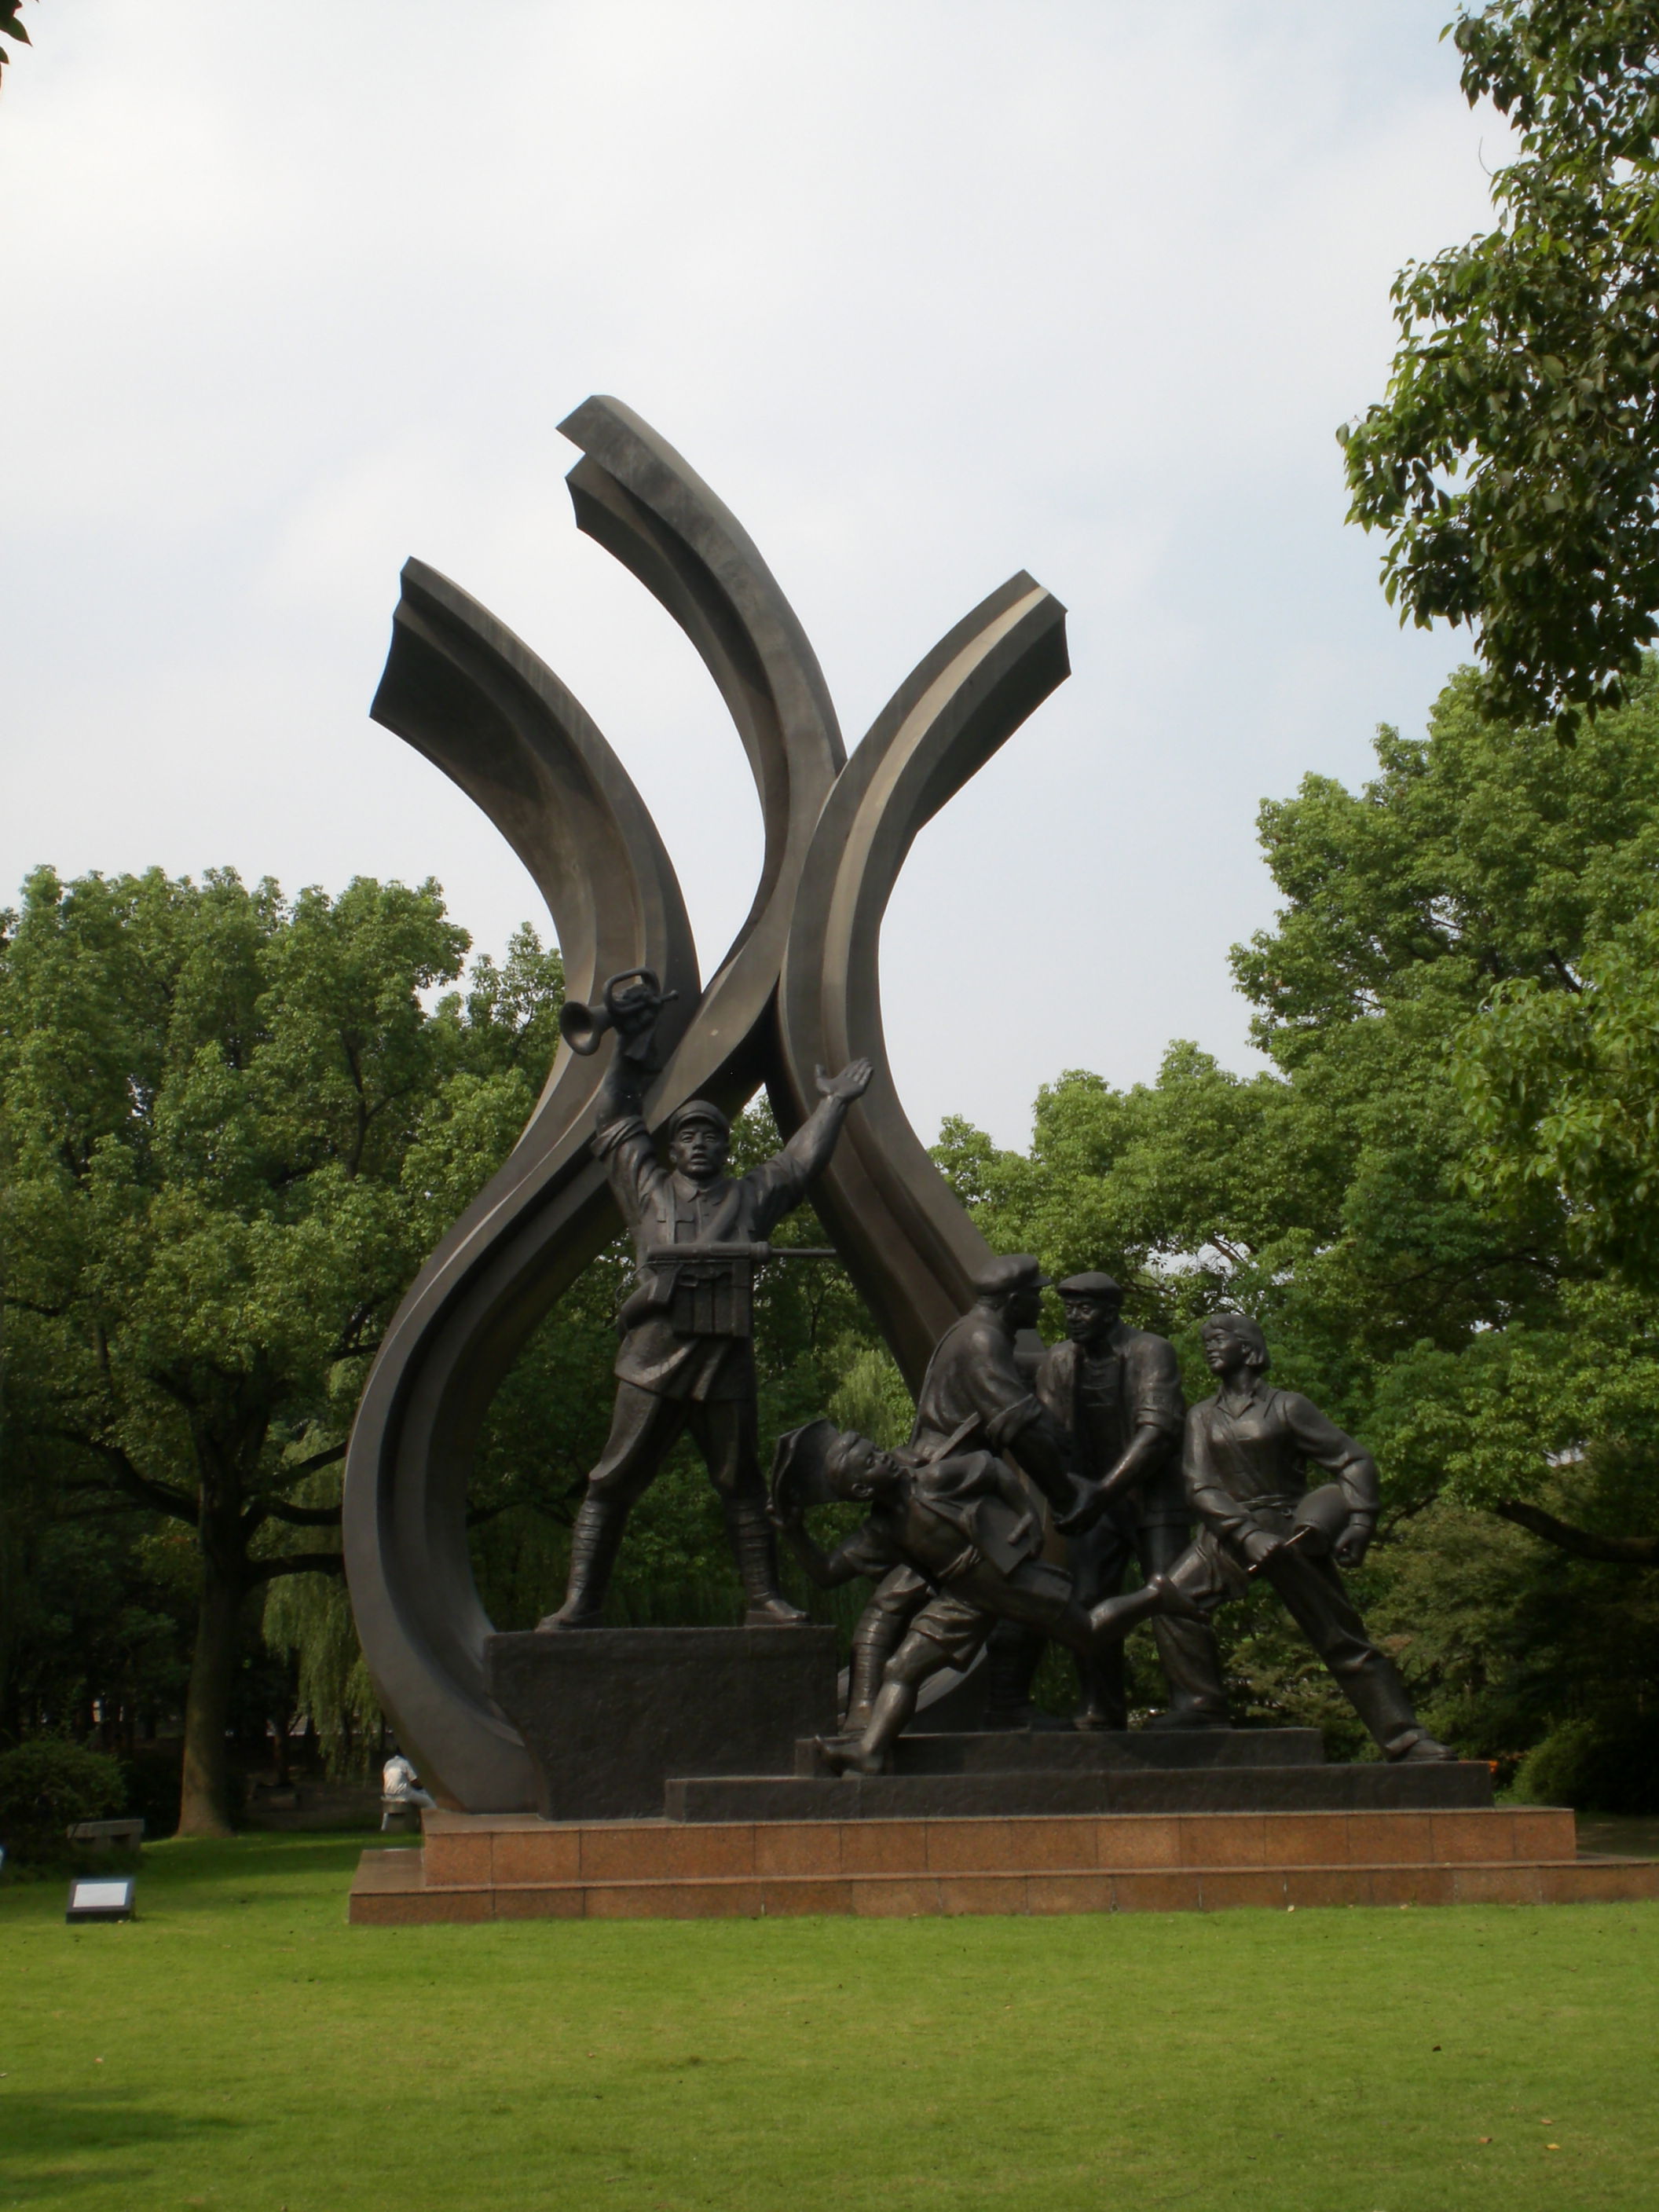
x: 1075, y: 1750
x: 391, y: 1890
x: 1372, y: 1787
x: 464, y: 1850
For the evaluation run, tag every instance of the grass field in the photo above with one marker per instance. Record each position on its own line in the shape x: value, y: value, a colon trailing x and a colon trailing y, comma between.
x: 239, y: 2046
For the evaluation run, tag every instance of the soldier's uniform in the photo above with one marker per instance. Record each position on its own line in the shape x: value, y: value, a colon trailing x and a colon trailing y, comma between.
x: 965, y: 1529
x: 687, y: 1361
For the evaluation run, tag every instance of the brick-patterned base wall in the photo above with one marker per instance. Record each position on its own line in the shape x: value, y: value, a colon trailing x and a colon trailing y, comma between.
x: 514, y: 1866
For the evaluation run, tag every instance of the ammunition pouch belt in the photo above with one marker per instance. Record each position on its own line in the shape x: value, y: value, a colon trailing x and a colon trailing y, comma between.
x: 701, y: 1290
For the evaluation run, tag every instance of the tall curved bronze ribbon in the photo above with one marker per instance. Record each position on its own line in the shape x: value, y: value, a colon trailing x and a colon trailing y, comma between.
x: 909, y: 1245
x: 478, y: 703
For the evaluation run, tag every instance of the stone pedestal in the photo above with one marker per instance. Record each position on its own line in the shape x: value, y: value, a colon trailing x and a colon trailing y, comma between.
x: 610, y: 1715
x: 511, y: 1866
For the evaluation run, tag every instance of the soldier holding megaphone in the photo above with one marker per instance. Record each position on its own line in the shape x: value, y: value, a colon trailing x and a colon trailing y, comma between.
x: 687, y: 1361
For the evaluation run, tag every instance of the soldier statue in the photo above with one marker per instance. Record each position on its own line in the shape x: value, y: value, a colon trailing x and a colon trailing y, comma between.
x: 687, y: 1359
x: 961, y: 1523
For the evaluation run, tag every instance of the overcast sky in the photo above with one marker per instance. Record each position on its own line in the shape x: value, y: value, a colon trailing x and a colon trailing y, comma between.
x: 929, y: 290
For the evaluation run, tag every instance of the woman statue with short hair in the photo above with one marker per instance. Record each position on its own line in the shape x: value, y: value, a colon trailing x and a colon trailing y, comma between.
x: 1244, y: 1460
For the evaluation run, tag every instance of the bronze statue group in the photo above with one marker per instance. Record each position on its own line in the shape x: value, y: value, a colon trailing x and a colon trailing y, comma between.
x: 1031, y: 1483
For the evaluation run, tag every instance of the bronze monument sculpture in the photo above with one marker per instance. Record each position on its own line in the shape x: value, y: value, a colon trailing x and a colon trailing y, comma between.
x: 1244, y: 1459
x: 798, y: 989
x: 962, y: 1523
x: 974, y: 1388
x: 1014, y: 1450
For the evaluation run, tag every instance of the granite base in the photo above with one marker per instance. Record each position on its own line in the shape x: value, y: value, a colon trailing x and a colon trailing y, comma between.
x: 609, y: 1715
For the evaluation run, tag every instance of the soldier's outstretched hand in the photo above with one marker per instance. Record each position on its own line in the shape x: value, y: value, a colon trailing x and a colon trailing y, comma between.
x: 851, y: 1082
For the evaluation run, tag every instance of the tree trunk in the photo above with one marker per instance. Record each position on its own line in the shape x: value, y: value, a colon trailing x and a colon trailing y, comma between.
x: 204, y: 1800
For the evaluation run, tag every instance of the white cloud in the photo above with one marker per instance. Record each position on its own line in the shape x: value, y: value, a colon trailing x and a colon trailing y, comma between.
x: 928, y: 292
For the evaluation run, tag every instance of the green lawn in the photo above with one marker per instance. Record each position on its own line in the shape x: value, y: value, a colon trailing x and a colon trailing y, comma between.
x: 241, y: 2046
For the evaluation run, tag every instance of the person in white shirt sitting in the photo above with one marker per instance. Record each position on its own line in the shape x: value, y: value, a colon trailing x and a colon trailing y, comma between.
x: 401, y: 1790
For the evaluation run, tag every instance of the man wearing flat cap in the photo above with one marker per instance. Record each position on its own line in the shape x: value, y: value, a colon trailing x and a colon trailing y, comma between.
x: 1117, y: 1389
x: 975, y: 1396
x: 687, y: 1359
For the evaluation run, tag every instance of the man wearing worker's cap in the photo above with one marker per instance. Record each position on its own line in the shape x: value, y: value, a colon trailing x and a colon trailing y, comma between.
x: 687, y: 1361
x: 1118, y: 1391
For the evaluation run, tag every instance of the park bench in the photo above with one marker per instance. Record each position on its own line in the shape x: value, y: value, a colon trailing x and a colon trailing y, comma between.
x: 109, y: 1835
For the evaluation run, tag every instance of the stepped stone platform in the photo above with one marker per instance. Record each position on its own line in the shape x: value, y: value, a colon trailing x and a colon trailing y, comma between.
x: 1380, y: 1835
x: 1040, y: 1771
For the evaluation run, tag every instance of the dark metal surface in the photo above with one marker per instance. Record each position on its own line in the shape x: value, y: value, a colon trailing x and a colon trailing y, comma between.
x: 1090, y: 1750
x: 479, y: 704
x: 910, y: 1247
x: 609, y: 1715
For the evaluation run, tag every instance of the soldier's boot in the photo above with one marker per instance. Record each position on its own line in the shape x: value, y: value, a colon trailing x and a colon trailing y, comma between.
x: 1012, y: 1658
x: 1114, y: 1618
x: 1423, y: 1747
x: 754, y: 1549
x: 1192, y: 1667
x: 1105, y: 1690
x: 1383, y: 1702
x: 594, y: 1542
x: 875, y: 1639
x: 873, y: 1752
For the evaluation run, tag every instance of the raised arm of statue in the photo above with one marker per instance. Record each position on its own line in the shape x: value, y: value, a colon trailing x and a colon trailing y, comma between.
x: 783, y: 1182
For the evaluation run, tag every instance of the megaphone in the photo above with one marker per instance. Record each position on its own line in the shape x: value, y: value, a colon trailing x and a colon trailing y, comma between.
x: 583, y: 1028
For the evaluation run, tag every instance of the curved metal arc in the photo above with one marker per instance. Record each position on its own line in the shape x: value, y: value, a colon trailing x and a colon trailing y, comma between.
x: 475, y: 700
x: 910, y: 1245
x: 642, y: 501
x: 478, y: 702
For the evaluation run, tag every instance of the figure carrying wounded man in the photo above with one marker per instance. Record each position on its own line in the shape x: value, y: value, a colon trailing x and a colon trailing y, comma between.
x: 961, y: 1522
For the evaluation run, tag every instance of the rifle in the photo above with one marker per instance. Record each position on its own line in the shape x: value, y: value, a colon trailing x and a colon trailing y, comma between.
x: 706, y: 1290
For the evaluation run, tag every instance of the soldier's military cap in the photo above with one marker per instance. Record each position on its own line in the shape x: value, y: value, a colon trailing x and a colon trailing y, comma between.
x: 698, y: 1110
x: 801, y: 1466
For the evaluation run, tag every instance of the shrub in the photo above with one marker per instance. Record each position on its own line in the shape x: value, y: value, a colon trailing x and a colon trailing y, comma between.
x: 1600, y: 1765
x: 46, y: 1786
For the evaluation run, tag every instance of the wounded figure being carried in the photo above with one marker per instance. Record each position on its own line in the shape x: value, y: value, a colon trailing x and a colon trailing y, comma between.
x: 964, y: 1523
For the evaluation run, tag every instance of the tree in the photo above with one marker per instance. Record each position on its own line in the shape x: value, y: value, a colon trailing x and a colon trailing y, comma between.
x: 231, y: 1131
x: 1563, y: 1092
x: 1468, y: 1312
x: 1513, y: 464
x: 11, y: 27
